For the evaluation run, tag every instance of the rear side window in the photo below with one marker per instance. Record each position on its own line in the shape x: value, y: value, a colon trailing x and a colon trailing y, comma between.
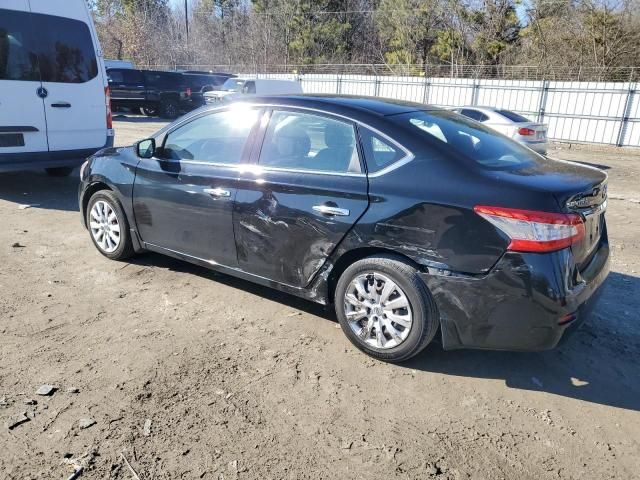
x: 249, y: 87
x: 34, y: 46
x: 132, y: 77
x: 513, y: 116
x: 115, y: 76
x: 164, y: 81
x: 474, y: 114
x: 378, y: 151
x: 18, y: 60
x: 473, y: 141
x: 303, y: 141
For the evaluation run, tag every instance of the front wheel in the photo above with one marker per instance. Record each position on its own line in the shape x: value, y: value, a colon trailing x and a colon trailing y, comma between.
x: 169, y: 109
x: 385, y: 309
x: 108, y: 226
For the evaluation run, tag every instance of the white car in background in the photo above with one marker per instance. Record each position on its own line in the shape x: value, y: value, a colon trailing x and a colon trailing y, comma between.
x: 511, y: 124
x: 236, y: 87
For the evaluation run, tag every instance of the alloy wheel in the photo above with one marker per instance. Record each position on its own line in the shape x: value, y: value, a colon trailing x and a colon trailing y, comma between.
x: 377, y: 310
x: 105, y: 227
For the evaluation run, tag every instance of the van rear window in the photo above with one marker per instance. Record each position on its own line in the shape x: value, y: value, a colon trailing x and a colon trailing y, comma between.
x: 34, y: 46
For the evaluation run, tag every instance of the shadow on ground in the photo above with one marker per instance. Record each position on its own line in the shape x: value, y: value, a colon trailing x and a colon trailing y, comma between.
x: 600, y: 363
x: 39, y: 190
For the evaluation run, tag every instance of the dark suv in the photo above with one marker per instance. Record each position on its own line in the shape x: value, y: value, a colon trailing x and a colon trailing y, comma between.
x: 201, y: 82
x: 153, y: 92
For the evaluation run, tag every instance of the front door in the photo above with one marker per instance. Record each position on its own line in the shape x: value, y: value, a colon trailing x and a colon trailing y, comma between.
x: 306, y: 192
x: 183, y: 198
x: 23, y: 128
x: 75, y: 105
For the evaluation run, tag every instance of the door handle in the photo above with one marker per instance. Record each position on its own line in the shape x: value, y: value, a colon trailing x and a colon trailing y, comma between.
x: 327, y: 210
x: 61, y: 105
x: 217, y: 192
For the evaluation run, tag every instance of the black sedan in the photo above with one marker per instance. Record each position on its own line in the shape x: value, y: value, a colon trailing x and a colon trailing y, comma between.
x: 407, y: 218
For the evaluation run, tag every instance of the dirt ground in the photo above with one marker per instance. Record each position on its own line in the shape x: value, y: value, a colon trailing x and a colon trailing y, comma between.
x: 191, y: 374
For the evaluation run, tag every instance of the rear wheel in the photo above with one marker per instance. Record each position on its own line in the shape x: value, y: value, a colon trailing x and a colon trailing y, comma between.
x: 108, y: 226
x: 59, y: 171
x: 385, y: 309
x: 169, y: 109
x: 149, y: 111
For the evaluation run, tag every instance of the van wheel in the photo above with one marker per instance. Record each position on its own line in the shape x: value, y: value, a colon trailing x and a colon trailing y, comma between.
x: 385, y: 309
x: 149, y: 111
x: 108, y: 226
x: 59, y: 171
x: 169, y: 109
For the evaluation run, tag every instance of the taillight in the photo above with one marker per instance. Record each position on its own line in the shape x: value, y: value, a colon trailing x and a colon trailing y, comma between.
x: 532, y: 231
x: 107, y: 100
x: 526, y: 131
x: 188, y: 92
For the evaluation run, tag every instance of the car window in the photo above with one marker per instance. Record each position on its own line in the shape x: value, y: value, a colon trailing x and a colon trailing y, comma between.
x: 471, y: 140
x: 233, y: 84
x: 133, y: 77
x: 160, y: 80
x: 249, y: 87
x: 216, y: 138
x: 18, y: 60
x: 115, y: 76
x: 378, y: 151
x: 513, y: 116
x: 65, y: 49
x: 474, y: 114
x: 304, y: 141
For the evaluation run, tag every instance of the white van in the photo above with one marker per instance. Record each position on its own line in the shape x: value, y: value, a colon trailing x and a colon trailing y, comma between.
x: 236, y: 87
x: 54, y: 100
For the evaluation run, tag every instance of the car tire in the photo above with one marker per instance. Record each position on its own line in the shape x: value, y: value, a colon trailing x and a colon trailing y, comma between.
x: 99, y: 216
x: 59, y: 171
x: 403, y: 340
x: 149, y: 111
x: 169, y: 109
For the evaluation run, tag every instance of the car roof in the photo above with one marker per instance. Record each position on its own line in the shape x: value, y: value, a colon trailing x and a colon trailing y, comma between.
x: 369, y: 105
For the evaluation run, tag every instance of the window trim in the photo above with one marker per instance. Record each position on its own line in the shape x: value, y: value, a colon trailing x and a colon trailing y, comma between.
x: 261, y: 131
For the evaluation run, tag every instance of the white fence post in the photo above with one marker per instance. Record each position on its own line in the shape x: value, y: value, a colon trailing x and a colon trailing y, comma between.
x: 542, y: 105
x: 624, y: 120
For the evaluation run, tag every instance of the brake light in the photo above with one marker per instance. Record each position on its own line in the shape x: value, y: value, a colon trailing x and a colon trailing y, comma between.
x: 526, y: 131
x: 188, y: 92
x: 532, y: 231
x: 107, y: 101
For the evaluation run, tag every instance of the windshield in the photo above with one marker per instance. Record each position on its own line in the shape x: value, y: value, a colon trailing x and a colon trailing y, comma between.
x: 233, y: 85
x: 473, y: 140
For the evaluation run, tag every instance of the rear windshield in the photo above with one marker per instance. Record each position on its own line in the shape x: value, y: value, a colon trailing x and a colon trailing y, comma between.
x: 481, y: 144
x: 513, y: 116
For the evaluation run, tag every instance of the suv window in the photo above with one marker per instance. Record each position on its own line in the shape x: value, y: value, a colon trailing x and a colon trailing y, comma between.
x: 17, y: 59
x: 115, y: 76
x: 249, y: 87
x: 164, y: 80
x: 216, y: 138
x: 378, y: 151
x: 310, y: 142
x: 132, y: 77
x: 474, y: 114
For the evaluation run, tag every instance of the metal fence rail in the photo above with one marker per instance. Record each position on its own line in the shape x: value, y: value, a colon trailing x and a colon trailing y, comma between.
x: 580, y: 111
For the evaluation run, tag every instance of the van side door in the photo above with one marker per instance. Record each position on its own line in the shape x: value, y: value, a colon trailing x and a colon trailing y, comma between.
x: 23, y: 128
x: 71, y: 74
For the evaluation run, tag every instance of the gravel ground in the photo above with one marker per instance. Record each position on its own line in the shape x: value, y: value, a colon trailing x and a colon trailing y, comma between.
x: 177, y: 372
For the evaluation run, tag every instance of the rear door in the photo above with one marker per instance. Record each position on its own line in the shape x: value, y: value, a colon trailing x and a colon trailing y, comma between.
x: 306, y: 192
x: 23, y: 127
x: 71, y: 76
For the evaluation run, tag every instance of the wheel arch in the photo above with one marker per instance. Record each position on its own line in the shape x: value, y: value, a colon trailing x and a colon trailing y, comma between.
x: 351, y: 256
x: 88, y: 193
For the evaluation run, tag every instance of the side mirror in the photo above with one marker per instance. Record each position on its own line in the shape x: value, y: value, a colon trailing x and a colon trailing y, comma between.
x: 146, y: 148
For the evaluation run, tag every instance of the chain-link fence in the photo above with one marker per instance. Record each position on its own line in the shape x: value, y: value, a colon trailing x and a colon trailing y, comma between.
x: 579, y: 105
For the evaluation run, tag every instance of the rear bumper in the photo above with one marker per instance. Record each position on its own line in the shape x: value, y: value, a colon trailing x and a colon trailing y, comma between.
x: 35, y: 160
x: 521, y: 303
